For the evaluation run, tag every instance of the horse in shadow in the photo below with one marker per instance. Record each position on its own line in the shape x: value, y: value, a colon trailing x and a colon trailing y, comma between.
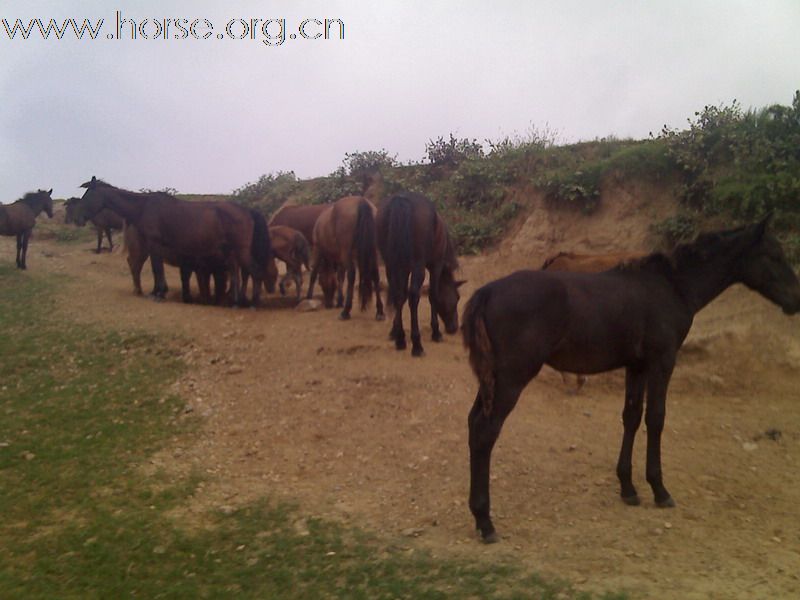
x: 18, y: 219
x: 635, y: 316
x: 412, y: 237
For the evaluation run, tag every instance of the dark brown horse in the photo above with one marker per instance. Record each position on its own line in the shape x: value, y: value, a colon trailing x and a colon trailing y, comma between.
x: 587, y: 263
x: 344, y: 241
x: 412, y: 238
x: 19, y: 218
x: 104, y: 222
x: 635, y: 316
x: 290, y: 246
x: 197, y: 234
x: 300, y: 217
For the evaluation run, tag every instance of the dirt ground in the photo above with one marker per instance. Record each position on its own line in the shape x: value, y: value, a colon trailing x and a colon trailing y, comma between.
x: 326, y: 413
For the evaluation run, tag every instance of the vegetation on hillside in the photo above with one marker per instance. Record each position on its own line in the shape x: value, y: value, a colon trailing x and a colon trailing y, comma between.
x: 729, y: 165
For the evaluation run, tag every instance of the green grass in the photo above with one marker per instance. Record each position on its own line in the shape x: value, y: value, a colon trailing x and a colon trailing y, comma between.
x: 81, y: 408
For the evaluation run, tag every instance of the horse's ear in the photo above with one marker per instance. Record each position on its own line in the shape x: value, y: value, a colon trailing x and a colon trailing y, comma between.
x: 50, y: 192
x: 460, y: 283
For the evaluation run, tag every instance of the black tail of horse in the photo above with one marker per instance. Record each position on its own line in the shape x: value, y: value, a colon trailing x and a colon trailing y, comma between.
x: 398, y: 248
x: 366, y: 253
x: 476, y: 339
x: 261, y: 246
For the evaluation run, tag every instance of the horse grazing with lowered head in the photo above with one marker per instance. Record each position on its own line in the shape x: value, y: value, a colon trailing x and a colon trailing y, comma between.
x: 412, y: 238
x: 290, y: 246
x: 19, y: 218
x: 195, y: 234
x: 344, y: 242
x: 635, y: 316
x: 104, y: 222
x: 586, y: 263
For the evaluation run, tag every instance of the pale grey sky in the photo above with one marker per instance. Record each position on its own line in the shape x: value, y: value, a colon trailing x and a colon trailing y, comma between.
x: 210, y: 115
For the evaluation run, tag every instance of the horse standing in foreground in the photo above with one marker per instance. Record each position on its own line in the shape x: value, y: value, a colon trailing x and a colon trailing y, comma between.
x: 194, y: 234
x: 586, y: 263
x: 635, y: 316
x: 412, y: 237
x: 104, y: 222
x: 19, y: 218
x: 344, y: 242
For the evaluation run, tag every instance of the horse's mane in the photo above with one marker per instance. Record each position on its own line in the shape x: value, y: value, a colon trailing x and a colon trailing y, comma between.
x: 31, y: 196
x: 685, y: 254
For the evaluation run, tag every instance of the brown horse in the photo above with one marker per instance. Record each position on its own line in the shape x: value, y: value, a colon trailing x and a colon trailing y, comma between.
x: 104, y: 222
x: 290, y: 246
x: 344, y: 241
x: 300, y: 217
x: 587, y: 263
x: 197, y: 234
x: 19, y: 218
x: 635, y: 316
x: 412, y: 238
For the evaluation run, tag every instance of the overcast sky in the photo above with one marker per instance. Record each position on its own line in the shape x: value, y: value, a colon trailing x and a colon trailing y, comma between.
x: 209, y: 115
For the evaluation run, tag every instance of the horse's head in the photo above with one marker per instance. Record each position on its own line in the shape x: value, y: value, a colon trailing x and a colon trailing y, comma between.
x: 91, y: 203
x: 447, y: 301
x: 764, y: 269
x: 47, y: 202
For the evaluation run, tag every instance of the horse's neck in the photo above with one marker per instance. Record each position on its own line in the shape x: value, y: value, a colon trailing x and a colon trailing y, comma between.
x: 126, y: 204
x: 36, y: 205
x: 702, y: 282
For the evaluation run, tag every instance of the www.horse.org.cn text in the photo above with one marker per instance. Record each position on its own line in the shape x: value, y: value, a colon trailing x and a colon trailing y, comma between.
x: 271, y: 32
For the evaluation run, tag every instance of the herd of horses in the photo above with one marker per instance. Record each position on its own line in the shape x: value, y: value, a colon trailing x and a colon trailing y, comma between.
x: 579, y: 314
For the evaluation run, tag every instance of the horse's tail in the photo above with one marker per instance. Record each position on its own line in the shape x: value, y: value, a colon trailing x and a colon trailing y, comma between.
x: 366, y: 252
x: 398, y: 247
x: 261, y: 247
x: 476, y: 339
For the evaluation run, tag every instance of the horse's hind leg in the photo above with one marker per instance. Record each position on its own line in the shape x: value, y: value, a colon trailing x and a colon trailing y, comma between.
x: 417, y: 276
x: 19, y: 251
x: 110, y: 243
x: 186, y: 276
x: 631, y: 419
x: 351, y: 283
x: 24, y: 255
x: 99, y: 232
x: 340, y: 273
x: 483, y: 432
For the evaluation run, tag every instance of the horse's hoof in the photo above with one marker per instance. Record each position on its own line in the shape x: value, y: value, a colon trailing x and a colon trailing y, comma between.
x: 631, y: 500
x: 344, y: 316
x: 400, y: 344
x: 490, y: 538
x: 417, y: 352
x: 668, y: 502
x: 380, y: 317
x: 437, y: 337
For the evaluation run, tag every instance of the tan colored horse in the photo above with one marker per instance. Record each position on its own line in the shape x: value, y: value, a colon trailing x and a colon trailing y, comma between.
x: 344, y: 240
x: 19, y: 218
x: 299, y: 217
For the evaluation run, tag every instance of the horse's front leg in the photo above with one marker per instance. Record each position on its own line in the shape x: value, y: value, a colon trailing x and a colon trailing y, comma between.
x: 340, y: 273
x: 657, y: 383
x: 417, y: 277
x: 433, y: 298
x: 483, y: 432
x: 186, y: 276
x: 99, y: 248
x: 313, y: 277
x: 19, y: 251
x: 631, y: 419
x: 110, y: 243
x: 351, y: 283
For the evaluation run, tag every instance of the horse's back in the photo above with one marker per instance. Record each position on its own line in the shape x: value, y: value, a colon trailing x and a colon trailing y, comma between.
x: 301, y: 217
x: 588, y: 263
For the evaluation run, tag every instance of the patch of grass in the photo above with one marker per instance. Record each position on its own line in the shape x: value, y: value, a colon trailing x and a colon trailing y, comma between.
x: 82, y: 408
